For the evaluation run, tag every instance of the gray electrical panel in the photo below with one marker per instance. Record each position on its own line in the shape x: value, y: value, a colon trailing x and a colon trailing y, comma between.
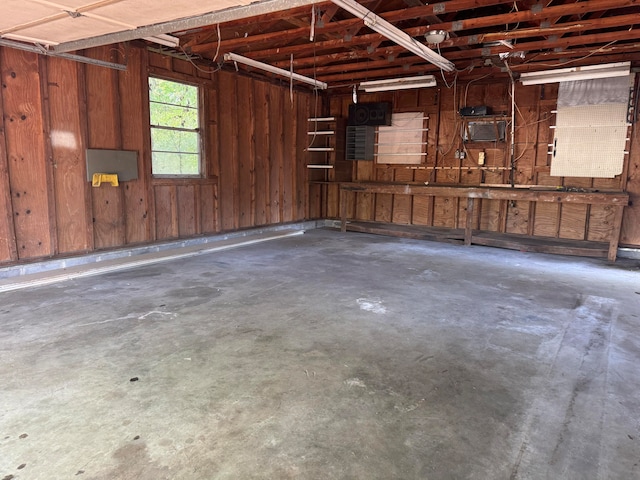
x: 124, y: 163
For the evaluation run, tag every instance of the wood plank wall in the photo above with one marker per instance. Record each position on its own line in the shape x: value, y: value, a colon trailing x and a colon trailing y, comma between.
x: 534, y: 117
x: 51, y: 110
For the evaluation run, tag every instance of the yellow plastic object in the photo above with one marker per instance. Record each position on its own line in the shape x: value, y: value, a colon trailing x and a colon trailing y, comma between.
x: 99, y: 178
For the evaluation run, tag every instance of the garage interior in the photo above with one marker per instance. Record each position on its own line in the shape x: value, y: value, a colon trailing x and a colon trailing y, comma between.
x: 306, y: 286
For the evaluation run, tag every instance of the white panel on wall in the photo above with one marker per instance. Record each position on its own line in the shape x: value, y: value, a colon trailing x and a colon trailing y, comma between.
x: 591, y: 128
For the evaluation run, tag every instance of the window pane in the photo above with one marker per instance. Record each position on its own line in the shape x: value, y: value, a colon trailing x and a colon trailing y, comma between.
x: 174, y: 93
x: 175, y: 164
x: 175, y: 123
x: 174, y: 141
x: 170, y: 116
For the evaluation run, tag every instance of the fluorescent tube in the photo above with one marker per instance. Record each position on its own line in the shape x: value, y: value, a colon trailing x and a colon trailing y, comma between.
x: 620, y: 69
x: 398, y: 83
x: 164, y: 39
x: 234, y: 57
x: 380, y: 25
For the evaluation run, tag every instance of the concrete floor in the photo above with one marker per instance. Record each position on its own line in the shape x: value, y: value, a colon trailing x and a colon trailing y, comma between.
x: 327, y: 356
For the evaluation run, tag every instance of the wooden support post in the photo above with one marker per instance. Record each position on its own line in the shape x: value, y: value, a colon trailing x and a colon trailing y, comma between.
x: 343, y: 210
x: 469, y: 221
x: 615, y: 233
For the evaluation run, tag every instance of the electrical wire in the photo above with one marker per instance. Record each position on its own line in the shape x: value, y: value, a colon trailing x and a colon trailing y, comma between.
x: 215, y: 57
x: 196, y: 66
x: 594, y: 52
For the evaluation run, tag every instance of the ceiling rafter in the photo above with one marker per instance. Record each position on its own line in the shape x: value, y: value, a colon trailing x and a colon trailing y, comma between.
x: 493, y: 51
x: 469, y: 40
x: 486, y: 21
x: 336, y: 26
x: 344, y: 49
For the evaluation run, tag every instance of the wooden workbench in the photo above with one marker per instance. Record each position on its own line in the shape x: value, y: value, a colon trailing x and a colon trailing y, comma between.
x: 618, y: 200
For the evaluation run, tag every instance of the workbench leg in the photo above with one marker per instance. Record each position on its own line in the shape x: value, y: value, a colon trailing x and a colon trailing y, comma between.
x: 343, y: 210
x: 615, y: 233
x: 469, y: 221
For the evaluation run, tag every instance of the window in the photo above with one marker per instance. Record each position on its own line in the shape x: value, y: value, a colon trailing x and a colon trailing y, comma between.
x: 175, y: 128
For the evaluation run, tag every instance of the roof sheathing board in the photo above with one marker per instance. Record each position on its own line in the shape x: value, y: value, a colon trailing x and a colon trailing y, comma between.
x: 150, y: 12
x: 52, y: 23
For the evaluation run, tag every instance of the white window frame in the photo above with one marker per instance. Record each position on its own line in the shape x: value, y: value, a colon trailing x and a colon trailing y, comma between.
x: 198, y: 130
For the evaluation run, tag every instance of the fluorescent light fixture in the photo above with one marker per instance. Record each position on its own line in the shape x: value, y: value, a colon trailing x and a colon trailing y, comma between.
x: 589, y: 72
x: 398, y: 83
x: 164, y: 39
x: 380, y: 25
x: 234, y: 57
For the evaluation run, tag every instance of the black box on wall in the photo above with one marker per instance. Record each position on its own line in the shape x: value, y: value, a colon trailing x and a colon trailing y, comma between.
x: 371, y: 114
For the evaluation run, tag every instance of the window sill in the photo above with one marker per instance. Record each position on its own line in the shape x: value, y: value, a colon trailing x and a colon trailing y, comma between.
x: 156, y: 181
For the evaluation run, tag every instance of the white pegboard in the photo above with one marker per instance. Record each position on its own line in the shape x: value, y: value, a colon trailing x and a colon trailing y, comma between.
x: 590, y: 141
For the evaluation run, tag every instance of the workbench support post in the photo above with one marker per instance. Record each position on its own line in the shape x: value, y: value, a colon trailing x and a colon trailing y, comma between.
x: 469, y: 221
x: 615, y: 233
x: 343, y: 210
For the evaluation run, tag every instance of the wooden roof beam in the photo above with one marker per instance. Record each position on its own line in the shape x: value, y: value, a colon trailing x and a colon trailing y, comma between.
x: 559, y: 43
x: 607, y: 22
x: 574, y: 57
x: 342, y: 25
x: 348, y: 79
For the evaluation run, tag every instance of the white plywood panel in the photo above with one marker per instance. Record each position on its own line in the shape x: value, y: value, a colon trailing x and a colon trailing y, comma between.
x: 66, y: 29
x: 590, y: 141
x: 149, y: 12
x: 18, y: 12
x: 49, y: 22
x: 402, y: 142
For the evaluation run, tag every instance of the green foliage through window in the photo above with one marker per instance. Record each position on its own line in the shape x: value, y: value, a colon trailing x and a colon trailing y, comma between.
x: 175, y: 137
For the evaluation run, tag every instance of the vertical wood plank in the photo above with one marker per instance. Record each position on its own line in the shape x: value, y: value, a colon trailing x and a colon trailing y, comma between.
x: 601, y: 222
x: 207, y: 209
x: 630, y: 232
x: 67, y: 143
x: 518, y: 217
x: 228, y: 151
x: 104, y: 131
x: 246, y: 153
x: 23, y: 114
x: 8, y: 250
x: 333, y: 201
x: 212, y: 116
x: 301, y: 178
x: 289, y: 121
x: 276, y: 152
x: 384, y: 201
x: 134, y: 121
x: 402, y: 203
x: 186, y: 210
x: 166, y: 211
x: 262, y: 139
x: 48, y: 153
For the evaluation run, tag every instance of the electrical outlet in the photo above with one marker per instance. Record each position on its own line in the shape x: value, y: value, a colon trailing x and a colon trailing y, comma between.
x: 481, y: 158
